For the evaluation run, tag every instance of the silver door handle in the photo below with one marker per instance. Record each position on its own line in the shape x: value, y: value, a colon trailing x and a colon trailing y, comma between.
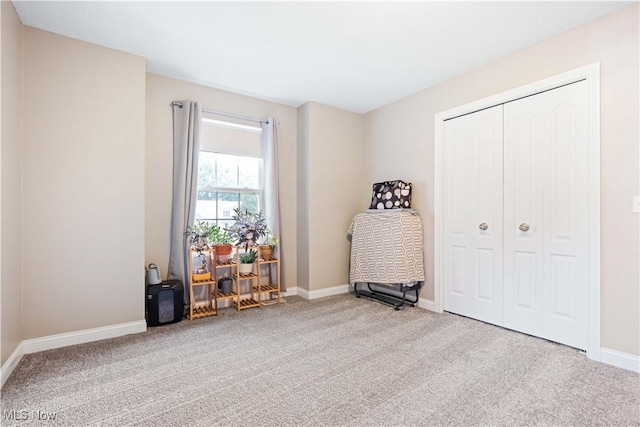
x: 483, y: 226
x: 524, y: 227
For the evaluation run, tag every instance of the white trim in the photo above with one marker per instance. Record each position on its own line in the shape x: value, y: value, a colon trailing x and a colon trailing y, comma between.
x: 80, y: 337
x: 302, y: 292
x: 325, y: 292
x: 593, y: 293
x: 438, y: 209
x: 427, y: 304
x: 230, y: 125
x: 627, y: 361
x: 10, y: 364
x: 290, y: 292
x: 70, y: 338
x: 590, y: 73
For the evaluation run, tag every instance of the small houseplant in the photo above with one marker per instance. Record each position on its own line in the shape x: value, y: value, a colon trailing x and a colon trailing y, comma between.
x: 248, y: 228
x: 267, y: 246
x: 221, y: 242
x: 246, y: 261
x: 199, y: 234
x: 202, y: 272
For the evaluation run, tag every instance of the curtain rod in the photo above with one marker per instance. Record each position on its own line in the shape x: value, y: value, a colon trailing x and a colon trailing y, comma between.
x: 220, y: 113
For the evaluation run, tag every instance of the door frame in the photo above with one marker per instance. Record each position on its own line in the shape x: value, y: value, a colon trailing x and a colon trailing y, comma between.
x: 590, y: 73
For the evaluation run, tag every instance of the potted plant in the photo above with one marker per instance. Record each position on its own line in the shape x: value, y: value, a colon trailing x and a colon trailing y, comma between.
x: 246, y: 261
x: 224, y: 285
x: 267, y: 246
x: 199, y: 235
x: 248, y: 228
x: 202, y: 272
x: 221, y: 242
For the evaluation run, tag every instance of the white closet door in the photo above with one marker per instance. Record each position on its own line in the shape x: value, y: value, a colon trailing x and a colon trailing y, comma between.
x: 545, y: 215
x: 473, y: 215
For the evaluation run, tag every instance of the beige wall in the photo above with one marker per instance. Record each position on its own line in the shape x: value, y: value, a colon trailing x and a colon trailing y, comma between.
x: 334, y: 182
x: 400, y: 143
x: 303, y: 197
x: 11, y: 178
x: 159, y: 153
x: 83, y: 184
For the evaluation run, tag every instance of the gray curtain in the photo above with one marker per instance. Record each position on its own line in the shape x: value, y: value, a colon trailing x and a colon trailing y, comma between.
x: 269, y: 150
x: 186, y: 147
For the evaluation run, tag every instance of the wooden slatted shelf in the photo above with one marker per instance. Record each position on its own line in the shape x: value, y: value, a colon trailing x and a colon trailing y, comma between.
x: 269, y: 293
x: 247, y: 290
x: 226, y: 264
x: 267, y: 288
x: 202, y: 282
x: 209, y: 307
x: 203, y: 311
x: 227, y: 296
x: 247, y: 303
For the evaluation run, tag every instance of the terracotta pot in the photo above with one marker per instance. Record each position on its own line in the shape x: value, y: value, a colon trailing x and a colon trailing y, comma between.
x: 222, y: 252
x: 266, y: 252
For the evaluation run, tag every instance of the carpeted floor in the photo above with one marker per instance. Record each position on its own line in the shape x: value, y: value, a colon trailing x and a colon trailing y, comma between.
x: 334, y: 361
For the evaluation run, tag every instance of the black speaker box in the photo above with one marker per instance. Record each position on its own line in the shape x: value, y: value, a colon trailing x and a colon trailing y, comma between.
x: 165, y: 303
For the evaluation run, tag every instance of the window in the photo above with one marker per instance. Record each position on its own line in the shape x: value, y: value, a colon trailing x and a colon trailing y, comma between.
x: 229, y: 172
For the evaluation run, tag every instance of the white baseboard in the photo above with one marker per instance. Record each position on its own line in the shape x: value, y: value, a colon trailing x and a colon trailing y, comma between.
x: 290, y: 292
x: 627, y: 361
x: 10, y: 364
x: 80, y: 337
x: 325, y: 292
x: 70, y: 338
x: 303, y: 293
x: 427, y: 304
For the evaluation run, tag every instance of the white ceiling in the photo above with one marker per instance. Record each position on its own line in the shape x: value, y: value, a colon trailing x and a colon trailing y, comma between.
x: 357, y: 56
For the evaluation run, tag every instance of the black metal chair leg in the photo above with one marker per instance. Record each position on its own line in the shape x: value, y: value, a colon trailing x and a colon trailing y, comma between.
x: 397, y: 302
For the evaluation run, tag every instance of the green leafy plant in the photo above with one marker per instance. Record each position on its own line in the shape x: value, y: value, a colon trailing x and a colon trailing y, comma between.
x: 219, y: 236
x: 268, y: 239
x: 249, y: 257
x: 272, y: 241
x: 199, y: 234
x: 204, y: 234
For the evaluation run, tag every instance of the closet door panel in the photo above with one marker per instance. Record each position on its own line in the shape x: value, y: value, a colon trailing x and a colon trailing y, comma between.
x: 458, y: 270
x: 485, y: 263
x: 473, y: 215
x: 546, y: 162
x: 525, y: 135
x: 524, y: 281
x: 566, y: 221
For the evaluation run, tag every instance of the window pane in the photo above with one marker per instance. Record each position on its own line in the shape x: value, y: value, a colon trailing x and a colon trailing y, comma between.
x: 205, y: 209
x: 227, y: 202
x: 206, y: 169
x: 249, y: 201
x: 249, y: 173
x: 227, y: 173
x: 206, y: 195
x: 226, y: 223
